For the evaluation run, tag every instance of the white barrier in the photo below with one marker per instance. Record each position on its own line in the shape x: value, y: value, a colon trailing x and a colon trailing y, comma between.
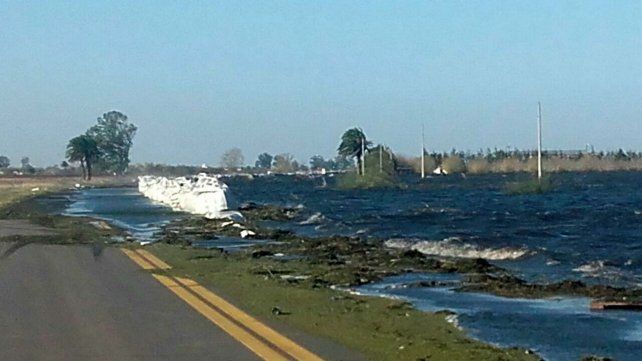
x: 202, y: 194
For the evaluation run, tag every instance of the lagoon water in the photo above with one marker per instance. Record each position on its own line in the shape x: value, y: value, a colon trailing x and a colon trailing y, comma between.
x: 588, y: 229
x: 560, y: 328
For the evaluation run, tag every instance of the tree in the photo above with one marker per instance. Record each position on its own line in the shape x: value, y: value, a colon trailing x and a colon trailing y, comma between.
x: 317, y: 162
x: 232, y: 158
x: 26, y: 165
x: 64, y: 164
x: 83, y: 149
x: 353, y: 144
x: 264, y: 161
x: 114, y: 138
x: 340, y: 163
x: 285, y: 163
x: 4, y: 162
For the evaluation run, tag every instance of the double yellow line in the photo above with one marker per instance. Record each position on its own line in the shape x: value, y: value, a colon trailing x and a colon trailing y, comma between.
x: 256, y: 336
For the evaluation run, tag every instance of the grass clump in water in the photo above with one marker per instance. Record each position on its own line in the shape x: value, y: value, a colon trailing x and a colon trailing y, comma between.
x: 530, y: 186
x: 353, y: 180
x: 380, y: 172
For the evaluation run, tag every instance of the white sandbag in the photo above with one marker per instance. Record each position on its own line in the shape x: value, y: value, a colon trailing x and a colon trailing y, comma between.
x: 202, y: 194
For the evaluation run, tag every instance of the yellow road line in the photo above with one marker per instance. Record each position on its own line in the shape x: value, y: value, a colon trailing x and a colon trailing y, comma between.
x: 138, y: 259
x: 153, y: 259
x: 231, y: 319
x: 257, y: 346
x: 280, y: 341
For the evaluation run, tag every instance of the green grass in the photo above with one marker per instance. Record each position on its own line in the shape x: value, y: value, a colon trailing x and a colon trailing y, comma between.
x: 379, y: 328
x: 530, y: 186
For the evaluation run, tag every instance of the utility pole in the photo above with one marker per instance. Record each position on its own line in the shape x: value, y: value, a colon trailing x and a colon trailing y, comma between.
x: 363, y: 156
x: 539, y: 141
x: 423, y: 153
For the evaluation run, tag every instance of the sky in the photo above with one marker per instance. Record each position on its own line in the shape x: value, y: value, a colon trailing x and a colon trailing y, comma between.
x: 200, y: 77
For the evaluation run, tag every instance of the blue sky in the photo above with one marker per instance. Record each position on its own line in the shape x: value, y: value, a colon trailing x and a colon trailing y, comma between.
x: 201, y: 77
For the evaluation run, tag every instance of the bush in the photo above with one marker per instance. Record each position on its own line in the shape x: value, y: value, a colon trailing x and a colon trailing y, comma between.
x: 352, y: 180
x: 430, y: 163
x: 388, y: 162
x: 453, y: 164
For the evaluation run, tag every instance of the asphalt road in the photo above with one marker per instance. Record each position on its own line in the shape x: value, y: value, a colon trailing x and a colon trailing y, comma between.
x: 82, y: 303
x: 21, y: 227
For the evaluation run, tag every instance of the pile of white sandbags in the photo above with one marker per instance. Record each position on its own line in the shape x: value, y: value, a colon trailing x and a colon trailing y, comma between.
x: 202, y: 194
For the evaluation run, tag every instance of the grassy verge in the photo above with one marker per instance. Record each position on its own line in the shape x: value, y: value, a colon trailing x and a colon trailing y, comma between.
x: 15, y: 189
x: 379, y: 328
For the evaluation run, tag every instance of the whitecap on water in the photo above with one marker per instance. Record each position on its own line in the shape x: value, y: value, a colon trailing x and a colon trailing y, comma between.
x: 454, y: 247
x: 313, y: 219
x: 606, y: 270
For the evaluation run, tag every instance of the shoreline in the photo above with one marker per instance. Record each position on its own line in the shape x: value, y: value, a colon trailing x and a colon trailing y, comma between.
x: 265, y: 288
x: 258, y: 256
x: 362, y: 261
x: 317, y: 311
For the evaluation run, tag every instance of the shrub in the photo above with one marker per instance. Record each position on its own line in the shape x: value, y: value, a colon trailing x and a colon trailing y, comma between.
x: 353, y: 180
x: 453, y: 164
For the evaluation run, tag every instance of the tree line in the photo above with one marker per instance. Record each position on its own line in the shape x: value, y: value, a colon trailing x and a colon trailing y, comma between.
x: 283, y: 162
x: 104, y: 146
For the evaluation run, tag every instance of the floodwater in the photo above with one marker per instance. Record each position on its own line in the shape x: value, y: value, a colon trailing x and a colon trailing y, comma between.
x: 124, y: 208
x: 587, y: 229
x: 561, y: 328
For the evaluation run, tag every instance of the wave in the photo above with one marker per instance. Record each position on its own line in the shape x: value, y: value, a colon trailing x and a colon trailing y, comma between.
x: 607, y: 270
x: 454, y: 247
x: 592, y: 267
x: 314, y: 219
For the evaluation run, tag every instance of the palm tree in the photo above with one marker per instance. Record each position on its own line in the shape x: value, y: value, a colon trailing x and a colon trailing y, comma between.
x: 83, y: 149
x: 353, y: 144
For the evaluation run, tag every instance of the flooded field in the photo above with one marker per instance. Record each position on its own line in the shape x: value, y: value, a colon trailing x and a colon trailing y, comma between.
x: 587, y: 229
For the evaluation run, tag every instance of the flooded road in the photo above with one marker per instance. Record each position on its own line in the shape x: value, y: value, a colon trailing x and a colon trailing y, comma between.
x: 587, y: 229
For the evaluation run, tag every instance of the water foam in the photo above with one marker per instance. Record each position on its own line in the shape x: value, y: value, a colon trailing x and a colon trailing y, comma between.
x: 313, y: 219
x: 454, y: 247
x: 605, y: 270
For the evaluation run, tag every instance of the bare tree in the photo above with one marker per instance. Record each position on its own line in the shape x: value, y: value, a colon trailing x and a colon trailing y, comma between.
x: 232, y: 158
x: 284, y: 163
